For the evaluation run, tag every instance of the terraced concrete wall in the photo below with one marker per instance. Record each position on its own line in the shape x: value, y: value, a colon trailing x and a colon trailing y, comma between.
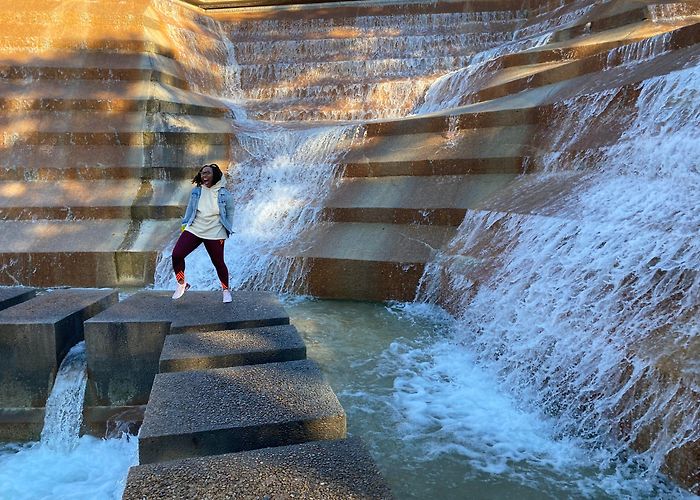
x: 100, y: 133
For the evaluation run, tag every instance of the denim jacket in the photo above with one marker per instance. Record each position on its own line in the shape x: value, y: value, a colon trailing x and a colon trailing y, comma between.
x: 225, y: 200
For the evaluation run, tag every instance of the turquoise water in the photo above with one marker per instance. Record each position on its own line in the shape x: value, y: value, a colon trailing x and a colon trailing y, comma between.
x: 438, y: 425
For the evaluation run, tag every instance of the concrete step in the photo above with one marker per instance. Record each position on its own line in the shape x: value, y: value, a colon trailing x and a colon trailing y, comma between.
x: 10, y: 296
x: 329, y: 470
x: 435, y: 200
x: 120, y: 252
x: 586, y: 45
x: 224, y: 348
x: 87, y: 65
x: 110, y: 42
x: 35, y: 336
x: 54, y: 162
x: 396, y: 142
x: 361, y: 19
x: 104, y: 95
x: 270, y: 31
x: 128, y: 337
x: 328, y: 73
x: 98, y: 128
x: 338, y: 100
x: 360, y: 108
x: 367, y: 48
x: 661, y: 12
x: 458, y: 166
x: 372, y: 261
x: 682, y: 49
x: 271, y: 93
x: 514, y: 79
x: 107, y: 123
x: 225, y: 410
x: 97, y: 199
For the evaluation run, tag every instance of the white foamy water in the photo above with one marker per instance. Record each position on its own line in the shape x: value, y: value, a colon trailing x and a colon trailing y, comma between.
x: 63, y: 465
x: 439, y: 423
x: 64, y: 407
x: 590, y: 316
x: 94, y: 468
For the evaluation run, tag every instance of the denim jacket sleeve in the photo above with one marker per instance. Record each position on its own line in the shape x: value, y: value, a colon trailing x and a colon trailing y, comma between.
x: 226, y: 209
x: 191, y: 210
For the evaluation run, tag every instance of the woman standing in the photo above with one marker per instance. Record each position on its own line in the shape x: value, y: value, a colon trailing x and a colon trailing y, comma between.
x: 209, y: 220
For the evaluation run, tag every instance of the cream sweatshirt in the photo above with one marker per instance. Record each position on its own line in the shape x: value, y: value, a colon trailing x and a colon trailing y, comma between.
x: 206, y: 224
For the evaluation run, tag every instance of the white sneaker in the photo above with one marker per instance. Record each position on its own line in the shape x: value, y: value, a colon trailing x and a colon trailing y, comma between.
x: 180, y: 290
x: 227, y: 296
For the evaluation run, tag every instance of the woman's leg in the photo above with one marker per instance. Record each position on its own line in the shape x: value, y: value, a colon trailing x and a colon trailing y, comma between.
x: 215, y: 249
x: 185, y: 245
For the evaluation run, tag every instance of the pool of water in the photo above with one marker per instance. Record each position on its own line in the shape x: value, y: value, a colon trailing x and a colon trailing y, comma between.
x: 438, y: 425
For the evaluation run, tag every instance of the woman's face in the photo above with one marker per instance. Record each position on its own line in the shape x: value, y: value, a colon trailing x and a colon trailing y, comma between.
x: 207, y: 175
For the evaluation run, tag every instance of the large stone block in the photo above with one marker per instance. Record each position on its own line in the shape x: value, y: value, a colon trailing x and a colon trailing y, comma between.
x: 36, y: 335
x: 122, y: 360
x: 220, y: 349
x: 124, y: 343
x: 10, y: 296
x: 242, y: 408
x: 323, y: 470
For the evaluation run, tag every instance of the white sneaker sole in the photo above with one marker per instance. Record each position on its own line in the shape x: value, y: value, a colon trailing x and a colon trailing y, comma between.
x: 179, y: 293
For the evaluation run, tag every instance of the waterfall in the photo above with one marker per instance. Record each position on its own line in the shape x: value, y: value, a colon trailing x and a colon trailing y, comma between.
x: 278, y: 192
x: 64, y: 408
x: 588, y: 311
x: 279, y: 180
x: 64, y: 464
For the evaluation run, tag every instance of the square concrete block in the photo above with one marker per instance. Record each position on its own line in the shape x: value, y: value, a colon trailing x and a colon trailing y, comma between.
x: 320, y: 470
x: 122, y: 359
x: 220, y: 349
x: 124, y: 343
x: 36, y: 335
x: 224, y: 410
x: 13, y: 295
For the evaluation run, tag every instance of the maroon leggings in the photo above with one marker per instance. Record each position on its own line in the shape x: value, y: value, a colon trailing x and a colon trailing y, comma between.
x: 186, y: 244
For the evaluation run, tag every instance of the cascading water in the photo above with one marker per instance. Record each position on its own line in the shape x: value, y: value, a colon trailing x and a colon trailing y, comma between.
x: 64, y: 408
x: 278, y: 185
x: 63, y: 464
x: 278, y: 191
x: 589, y: 313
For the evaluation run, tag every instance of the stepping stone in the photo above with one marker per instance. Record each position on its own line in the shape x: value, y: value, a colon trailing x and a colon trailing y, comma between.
x: 323, y: 470
x: 35, y: 337
x: 220, y: 349
x: 226, y: 410
x: 10, y: 296
x: 124, y: 343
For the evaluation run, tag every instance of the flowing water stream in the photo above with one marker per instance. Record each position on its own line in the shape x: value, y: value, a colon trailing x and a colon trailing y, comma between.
x: 62, y: 464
